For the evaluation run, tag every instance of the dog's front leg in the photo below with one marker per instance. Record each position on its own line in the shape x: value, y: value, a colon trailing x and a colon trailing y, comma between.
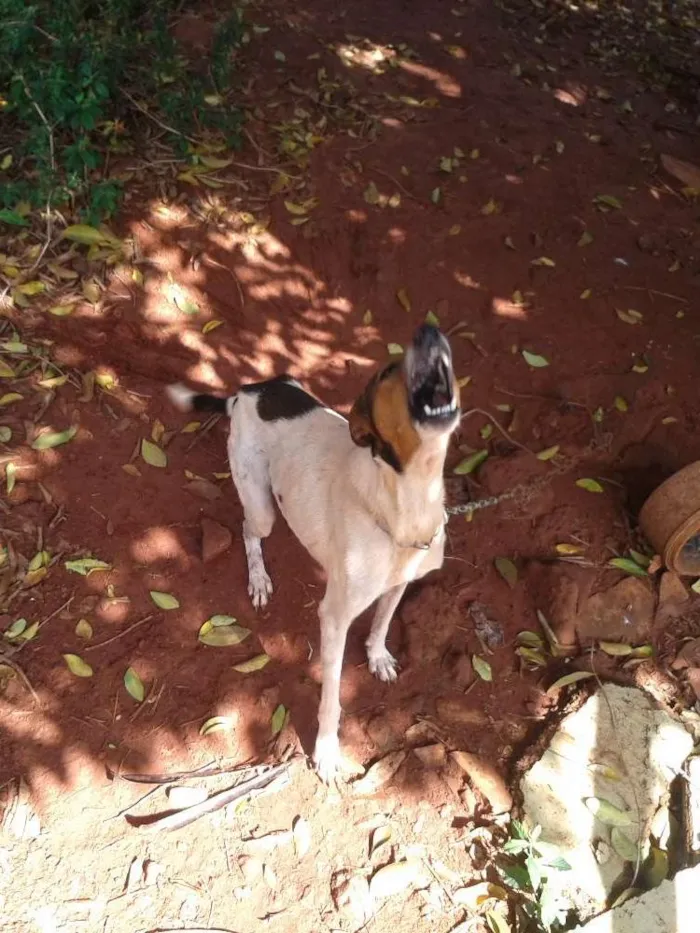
x: 339, y: 607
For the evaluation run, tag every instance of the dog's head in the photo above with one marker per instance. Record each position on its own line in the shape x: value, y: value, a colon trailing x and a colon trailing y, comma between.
x: 409, y: 402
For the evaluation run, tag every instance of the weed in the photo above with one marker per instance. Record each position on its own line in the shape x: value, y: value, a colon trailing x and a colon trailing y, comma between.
x: 70, y: 71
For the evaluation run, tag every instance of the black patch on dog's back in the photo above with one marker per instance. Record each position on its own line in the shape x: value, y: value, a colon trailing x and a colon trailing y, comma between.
x: 281, y: 399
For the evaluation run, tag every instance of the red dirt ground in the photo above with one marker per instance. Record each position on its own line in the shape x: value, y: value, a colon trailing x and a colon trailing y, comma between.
x: 541, y: 141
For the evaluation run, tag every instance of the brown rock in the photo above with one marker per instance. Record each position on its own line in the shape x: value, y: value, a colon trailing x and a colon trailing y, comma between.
x: 673, y: 597
x: 216, y: 540
x: 457, y: 711
x: 431, y: 756
x: 486, y: 780
x: 688, y: 656
x: 622, y: 613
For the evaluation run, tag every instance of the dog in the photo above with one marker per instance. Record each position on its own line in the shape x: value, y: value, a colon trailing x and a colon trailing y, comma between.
x: 364, y: 496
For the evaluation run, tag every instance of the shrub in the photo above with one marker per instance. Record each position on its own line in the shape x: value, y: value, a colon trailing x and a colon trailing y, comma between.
x: 69, y: 73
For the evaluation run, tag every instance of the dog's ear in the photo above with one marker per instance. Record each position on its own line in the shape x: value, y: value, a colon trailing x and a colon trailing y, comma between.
x: 362, y: 429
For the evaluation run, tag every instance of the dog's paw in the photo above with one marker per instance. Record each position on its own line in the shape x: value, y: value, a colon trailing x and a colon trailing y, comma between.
x: 383, y: 665
x: 259, y: 587
x: 328, y: 762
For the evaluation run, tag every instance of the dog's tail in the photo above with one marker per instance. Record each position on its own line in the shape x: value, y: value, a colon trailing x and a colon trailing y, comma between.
x: 187, y: 400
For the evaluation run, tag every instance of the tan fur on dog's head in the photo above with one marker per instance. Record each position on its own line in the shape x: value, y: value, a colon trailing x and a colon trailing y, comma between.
x: 384, y: 417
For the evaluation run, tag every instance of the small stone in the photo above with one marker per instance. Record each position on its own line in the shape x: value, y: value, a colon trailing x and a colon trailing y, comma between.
x: 431, y: 756
x: 380, y: 773
x: 673, y: 597
x: 486, y: 780
x: 622, y: 613
x: 181, y: 797
x: 216, y: 540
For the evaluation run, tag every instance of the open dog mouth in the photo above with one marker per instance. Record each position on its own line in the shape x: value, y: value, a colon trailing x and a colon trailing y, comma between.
x: 431, y: 387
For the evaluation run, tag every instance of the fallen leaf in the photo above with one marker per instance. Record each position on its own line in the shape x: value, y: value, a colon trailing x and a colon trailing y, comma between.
x: 216, y: 724
x: 61, y: 310
x: 482, y: 668
x: 153, y: 454
x: 134, y: 685
x: 507, y: 570
x: 16, y: 629
x: 543, y: 261
x: 585, y: 239
x: 656, y: 867
x: 10, y: 476
x: 615, y: 649
x: 630, y: 316
x: 568, y: 549
x: 621, y: 403
x: 86, y: 565
x: 497, y: 923
x: 222, y: 636
x: 590, y: 485
x: 253, y: 664
x: 530, y: 639
x: 5, y: 434
x: 395, y: 349
x: 54, y: 439
x: 302, y: 836
x: 569, y: 679
x: 475, y: 896
x: 469, y: 464
x: 685, y: 172
x: 623, y: 845
x: 607, y: 201
x: 491, y: 207
x: 403, y: 299
x: 164, y: 600
x: 548, y: 453
x: 278, y: 719
x: 210, y: 326
x: 77, y: 666
x: 628, y: 566
x: 432, y: 318
x: 394, y: 878
x: 83, y: 629
x: 607, y: 813
x: 367, y: 318
x: 8, y: 398
x: 88, y: 236
x: 32, y: 288
x: 534, y: 360
x: 380, y: 836
x: 436, y: 195
x: 6, y: 372
x: 371, y: 194
x: 586, y: 293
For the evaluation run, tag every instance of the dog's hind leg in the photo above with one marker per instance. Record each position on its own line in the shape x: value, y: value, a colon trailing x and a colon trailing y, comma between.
x: 381, y: 663
x: 250, y: 473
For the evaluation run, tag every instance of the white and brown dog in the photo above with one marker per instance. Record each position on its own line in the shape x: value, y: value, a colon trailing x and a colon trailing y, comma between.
x: 365, y: 497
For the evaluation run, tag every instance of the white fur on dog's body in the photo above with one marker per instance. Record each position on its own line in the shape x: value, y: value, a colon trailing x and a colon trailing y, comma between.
x: 357, y: 517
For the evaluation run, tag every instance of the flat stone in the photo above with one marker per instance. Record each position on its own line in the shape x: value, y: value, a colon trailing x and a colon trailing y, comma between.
x: 619, y: 747
x: 431, y: 756
x: 670, y: 908
x: 673, y: 597
x: 216, y: 540
x: 622, y: 613
x: 486, y: 779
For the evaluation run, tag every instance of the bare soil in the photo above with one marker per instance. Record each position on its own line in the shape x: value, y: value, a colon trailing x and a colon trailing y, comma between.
x: 534, y: 131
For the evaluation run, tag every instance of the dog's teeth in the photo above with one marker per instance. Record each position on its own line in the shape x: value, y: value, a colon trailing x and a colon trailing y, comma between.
x: 426, y: 409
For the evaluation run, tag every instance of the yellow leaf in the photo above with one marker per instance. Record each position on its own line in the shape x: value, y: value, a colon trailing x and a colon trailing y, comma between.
x: 301, y: 208
x: 464, y: 382
x: 32, y: 288
x: 568, y: 549
x: 491, y: 207
x: 403, y: 299
x: 543, y: 261
x: 621, y: 403
x: 213, y: 162
x: 367, y: 317
x: 9, y: 398
x: 210, y: 326
x: 61, y: 310
x: 88, y: 236
x: 548, y: 453
x: 630, y: 316
x: 455, y: 230
x: 188, y: 178
x: 191, y: 427
x: 395, y: 349
x: 6, y: 372
x: 131, y: 469
x: 92, y: 291
x: 586, y: 293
